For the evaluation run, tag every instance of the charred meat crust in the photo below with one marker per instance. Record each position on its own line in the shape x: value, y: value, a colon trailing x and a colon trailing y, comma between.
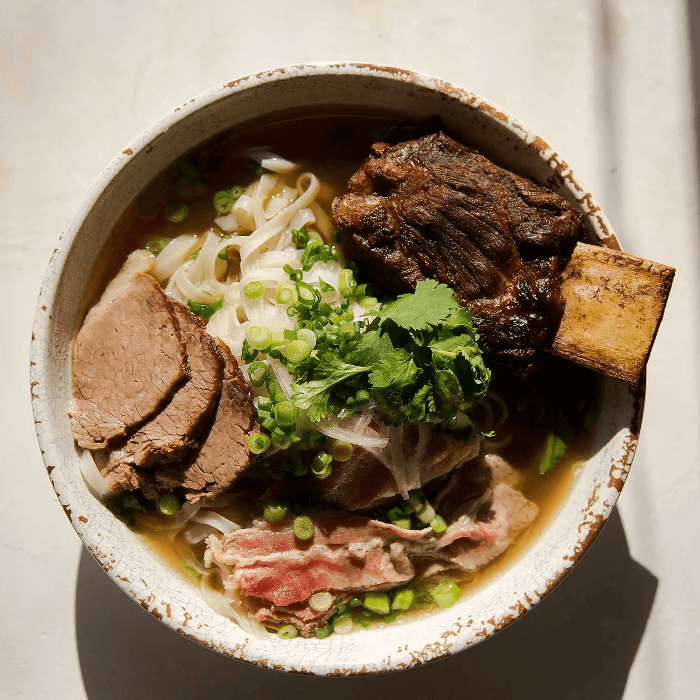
x: 432, y: 208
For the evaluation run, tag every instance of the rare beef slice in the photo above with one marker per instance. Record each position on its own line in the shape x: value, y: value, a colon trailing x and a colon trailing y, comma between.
x: 168, y: 434
x: 432, y: 208
x: 128, y: 359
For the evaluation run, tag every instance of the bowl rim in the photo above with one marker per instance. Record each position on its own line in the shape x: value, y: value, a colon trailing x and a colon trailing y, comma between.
x: 598, y: 509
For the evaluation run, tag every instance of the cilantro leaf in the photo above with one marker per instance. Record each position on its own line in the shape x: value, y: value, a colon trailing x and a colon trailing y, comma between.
x: 314, y: 396
x: 430, y: 305
x: 369, y: 349
x: 554, y: 448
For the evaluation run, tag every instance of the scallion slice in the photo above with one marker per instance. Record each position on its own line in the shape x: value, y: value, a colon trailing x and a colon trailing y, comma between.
x: 168, y: 504
x: 176, y: 212
x: 402, y: 600
x: 321, y: 465
x: 287, y: 632
x: 445, y: 593
x: 377, y: 602
x: 286, y: 413
x: 320, y: 601
x: 286, y: 293
x: 258, y: 337
x: 341, y: 451
x: 303, y: 527
x: 254, y: 289
x: 223, y: 202
x: 274, y: 512
x: 258, y: 372
x: 258, y: 443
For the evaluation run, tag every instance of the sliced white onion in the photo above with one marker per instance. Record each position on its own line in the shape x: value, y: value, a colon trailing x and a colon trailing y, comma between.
x: 284, y: 379
x: 197, y: 533
x: 91, y: 474
x: 216, y: 520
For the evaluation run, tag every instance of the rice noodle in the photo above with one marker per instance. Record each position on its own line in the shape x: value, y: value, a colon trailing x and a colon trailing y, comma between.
x: 91, y: 475
x: 173, y: 255
x: 175, y: 522
x: 217, y: 521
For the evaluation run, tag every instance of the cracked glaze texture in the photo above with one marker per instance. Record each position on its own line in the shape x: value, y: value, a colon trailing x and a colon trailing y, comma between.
x: 127, y: 559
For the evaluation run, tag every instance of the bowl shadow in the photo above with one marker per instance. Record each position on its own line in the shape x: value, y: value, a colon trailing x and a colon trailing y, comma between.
x: 580, y: 642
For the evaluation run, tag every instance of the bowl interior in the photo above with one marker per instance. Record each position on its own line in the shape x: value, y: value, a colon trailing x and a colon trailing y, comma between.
x: 308, y: 90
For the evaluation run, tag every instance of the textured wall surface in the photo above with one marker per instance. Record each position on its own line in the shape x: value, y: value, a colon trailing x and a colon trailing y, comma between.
x: 608, y: 83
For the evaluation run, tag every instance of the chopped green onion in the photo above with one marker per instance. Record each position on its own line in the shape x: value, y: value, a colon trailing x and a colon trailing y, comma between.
x: 363, y: 618
x: 341, y: 451
x: 254, y: 290
x: 286, y: 293
x: 362, y: 396
x: 296, y: 350
x: 274, y: 512
x: 300, y: 237
x: 321, y: 601
x: 176, y: 212
x: 258, y: 443
x: 223, y: 202
x: 281, y: 442
x: 342, y: 624
x: 303, y: 527
x: 258, y: 337
x: 355, y: 602
x: 156, y: 245
x: 223, y: 254
x: 308, y: 336
x: 445, y: 593
x: 360, y: 291
x: 286, y: 413
x: 236, y: 192
x: 258, y: 372
x: 377, y: 602
x: 426, y: 513
x: 276, y: 338
x: 287, y: 632
x: 195, y: 255
x: 323, y: 632
x: 369, y: 303
x: 206, y: 311
x: 346, y: 281
x: 402, y: 599
x: 438, y: 524
x: 321, y: 465
x: 168, y: 504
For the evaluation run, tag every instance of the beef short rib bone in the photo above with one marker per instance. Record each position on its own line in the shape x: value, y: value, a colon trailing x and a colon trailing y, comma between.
x: 614, y: 303
x: 432, y: 208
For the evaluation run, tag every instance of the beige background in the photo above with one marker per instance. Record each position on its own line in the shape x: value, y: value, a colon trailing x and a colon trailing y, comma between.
x: 608, y: 83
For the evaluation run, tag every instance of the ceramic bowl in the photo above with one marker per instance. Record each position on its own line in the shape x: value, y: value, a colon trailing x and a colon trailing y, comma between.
x: 517, y: 587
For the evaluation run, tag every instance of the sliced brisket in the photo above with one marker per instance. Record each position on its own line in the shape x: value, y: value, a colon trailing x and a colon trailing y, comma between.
x: 128, y: 358
x: 432, y: 208
x: 223, y: 452
x: 173, y: 430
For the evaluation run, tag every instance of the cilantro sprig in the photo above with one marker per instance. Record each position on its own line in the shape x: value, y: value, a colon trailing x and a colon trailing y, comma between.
x: 417, y: 358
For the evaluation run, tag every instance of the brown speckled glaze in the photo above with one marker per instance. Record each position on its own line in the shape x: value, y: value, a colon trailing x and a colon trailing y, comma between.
x: 131, y: 564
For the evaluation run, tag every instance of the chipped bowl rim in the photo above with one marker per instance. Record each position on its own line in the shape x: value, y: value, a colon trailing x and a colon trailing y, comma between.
x: 364, y: 652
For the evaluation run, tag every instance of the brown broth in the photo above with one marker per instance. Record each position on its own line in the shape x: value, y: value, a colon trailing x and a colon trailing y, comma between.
x: 332, y: 147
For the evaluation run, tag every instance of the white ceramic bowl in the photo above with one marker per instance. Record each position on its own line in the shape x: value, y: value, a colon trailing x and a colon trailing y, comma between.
x: 130, y: 563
